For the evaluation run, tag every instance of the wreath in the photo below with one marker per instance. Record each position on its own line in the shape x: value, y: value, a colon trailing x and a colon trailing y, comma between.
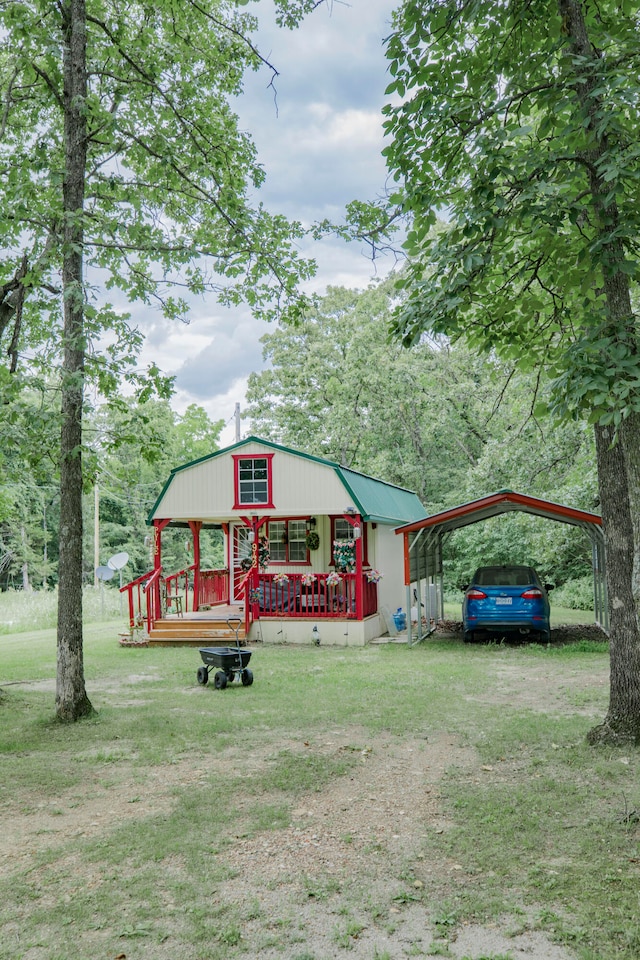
x: 312, y: 540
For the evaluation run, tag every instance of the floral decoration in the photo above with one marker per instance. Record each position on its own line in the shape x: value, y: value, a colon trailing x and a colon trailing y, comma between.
x: 344, y: 554
x: 255, y: 596
x: 263, y: 553
x: 374, y: 576
x: 307, y: 579
x: 334, y: 579
x: 280, y: 578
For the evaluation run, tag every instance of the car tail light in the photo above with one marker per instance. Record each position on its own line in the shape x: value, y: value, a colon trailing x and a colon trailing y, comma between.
x: 533, y: 594
x: 474, y: 594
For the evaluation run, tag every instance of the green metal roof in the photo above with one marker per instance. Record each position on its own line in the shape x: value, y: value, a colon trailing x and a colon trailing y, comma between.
x: 381, y: 502
x: 375, y: 500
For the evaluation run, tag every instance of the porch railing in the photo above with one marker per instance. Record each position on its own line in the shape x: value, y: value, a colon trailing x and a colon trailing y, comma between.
x: 146, y: 595
x: 299, y: 595
x: 314, y: 597
x: 214, y: 587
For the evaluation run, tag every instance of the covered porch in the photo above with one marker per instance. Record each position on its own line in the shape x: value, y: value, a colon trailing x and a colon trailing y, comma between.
x: 194, y: 604
x: 301, y: 542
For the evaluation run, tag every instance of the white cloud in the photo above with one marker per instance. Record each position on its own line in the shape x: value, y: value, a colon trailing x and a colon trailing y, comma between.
x: 320, y: 147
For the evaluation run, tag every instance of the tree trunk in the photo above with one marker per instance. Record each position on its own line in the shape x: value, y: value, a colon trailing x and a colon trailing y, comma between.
x: 622, y: 722
x: 71, y: 698
x: 618, y: 463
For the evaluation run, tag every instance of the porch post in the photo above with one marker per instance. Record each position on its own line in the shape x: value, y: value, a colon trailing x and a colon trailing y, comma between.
x: 158, y: 527
x: 356, y: 521
x: 359, y: 596
x: 195, y: 527
x: 228, y: 553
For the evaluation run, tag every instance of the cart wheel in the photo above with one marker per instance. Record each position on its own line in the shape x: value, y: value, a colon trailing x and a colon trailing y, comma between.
x: 203, y: 675
x: 231, y: 677
x: 220, y: 680
x: 247, y: 677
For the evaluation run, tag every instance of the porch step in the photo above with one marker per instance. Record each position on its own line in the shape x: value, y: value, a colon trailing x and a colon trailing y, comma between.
x: 194, y: 633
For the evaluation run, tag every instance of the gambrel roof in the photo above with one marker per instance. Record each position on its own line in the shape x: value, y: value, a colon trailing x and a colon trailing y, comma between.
x: 375, y: 500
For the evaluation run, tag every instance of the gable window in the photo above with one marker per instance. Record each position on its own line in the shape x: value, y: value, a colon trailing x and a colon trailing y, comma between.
x: 287, y: 541
x: 253, y: 480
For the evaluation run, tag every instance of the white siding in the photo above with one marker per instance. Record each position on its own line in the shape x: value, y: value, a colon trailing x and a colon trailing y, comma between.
x: 205, y: 491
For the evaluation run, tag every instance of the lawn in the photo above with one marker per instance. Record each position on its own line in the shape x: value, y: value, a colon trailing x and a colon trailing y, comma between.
x: 378, y: 803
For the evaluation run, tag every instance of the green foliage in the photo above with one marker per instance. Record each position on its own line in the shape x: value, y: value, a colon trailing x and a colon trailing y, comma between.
x: 436, y: 417
x: 575, y: 594
x: 529, y: 143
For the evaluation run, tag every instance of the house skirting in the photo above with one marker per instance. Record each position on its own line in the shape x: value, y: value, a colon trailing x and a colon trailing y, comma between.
x: 332, y: 633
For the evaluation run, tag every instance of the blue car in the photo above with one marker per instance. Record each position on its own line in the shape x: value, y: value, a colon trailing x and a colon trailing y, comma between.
x: 506, y: 600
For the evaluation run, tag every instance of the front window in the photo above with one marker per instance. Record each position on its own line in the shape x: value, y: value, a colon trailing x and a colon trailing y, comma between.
x: 287, y: 541
x: 253, y: 481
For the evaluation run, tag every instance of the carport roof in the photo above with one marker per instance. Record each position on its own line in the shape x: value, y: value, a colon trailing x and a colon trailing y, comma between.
x: 502, y: 502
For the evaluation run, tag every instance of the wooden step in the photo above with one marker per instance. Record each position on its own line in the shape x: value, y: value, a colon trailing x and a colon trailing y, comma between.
x: 194, y: 633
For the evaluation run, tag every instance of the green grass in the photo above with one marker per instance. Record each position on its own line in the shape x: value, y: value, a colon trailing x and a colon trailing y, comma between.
x: 545, y: 827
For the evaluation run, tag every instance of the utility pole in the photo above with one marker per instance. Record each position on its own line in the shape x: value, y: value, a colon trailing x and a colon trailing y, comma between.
x: 237, y: 416
x: 96, y: 533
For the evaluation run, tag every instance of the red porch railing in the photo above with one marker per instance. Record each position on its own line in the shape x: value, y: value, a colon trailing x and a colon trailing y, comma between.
x: 214, y: 587
x: 315, y: 597
x: 318, y: 596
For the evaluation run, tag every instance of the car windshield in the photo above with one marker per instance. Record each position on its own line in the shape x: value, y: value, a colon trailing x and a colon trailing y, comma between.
x: 504, y: 576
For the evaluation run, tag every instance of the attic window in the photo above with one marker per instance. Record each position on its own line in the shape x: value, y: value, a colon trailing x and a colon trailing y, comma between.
x: 253, y: 480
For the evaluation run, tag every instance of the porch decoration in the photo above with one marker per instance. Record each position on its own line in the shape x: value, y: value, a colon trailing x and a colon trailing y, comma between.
x: 263, y: 553
x: 307, y: 579
x: 344, y: 554
x: 255, y: 596
x: 280, y: 578
x: 374, y: 576
x: 312, y: 540
x: 334, y: 579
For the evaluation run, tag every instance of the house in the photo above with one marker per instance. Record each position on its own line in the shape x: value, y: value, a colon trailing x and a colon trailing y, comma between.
x: 305, y: 541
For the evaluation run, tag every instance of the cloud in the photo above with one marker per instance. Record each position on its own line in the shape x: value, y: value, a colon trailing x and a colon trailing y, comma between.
x: 320, y: 144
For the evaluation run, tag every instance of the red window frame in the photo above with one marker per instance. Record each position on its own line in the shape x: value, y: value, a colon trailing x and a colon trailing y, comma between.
x: 268, y: 504
x: 365, y: 545
x: 288, y: 561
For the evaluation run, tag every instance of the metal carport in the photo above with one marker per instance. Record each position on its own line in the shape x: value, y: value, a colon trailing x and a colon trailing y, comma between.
x: 424, y: 540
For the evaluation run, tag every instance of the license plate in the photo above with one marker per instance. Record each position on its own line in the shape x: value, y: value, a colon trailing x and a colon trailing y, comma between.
x: 503, y: 601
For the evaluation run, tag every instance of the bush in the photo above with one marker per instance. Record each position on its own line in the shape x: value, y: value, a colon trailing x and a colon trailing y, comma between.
x: 574, y: 594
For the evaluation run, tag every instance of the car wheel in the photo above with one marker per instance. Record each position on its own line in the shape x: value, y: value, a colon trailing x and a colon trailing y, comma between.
x: 469, y: 636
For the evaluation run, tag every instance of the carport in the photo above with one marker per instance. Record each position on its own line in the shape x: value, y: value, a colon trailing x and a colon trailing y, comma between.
x: 424, y: 541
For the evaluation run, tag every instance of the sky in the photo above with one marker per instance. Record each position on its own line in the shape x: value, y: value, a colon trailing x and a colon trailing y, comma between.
x: 320, y: 148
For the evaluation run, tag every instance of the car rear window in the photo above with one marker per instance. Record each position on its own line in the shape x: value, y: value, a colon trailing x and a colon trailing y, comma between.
x: 504, y: 576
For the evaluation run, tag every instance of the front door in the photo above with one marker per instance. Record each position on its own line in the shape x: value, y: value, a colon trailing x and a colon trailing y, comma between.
x: 242, y: 544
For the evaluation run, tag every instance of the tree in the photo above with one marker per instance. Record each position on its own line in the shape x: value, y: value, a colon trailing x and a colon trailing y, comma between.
x: 442, y: 419
x: 121, y: 157
x: 519, y: 120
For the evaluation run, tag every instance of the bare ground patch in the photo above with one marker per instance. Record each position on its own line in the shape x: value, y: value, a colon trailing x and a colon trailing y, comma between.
x: 347, y: 876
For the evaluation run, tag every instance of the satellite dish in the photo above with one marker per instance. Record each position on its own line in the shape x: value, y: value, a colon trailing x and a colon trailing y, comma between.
x: 104, y: 573
x: 117, y: 561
